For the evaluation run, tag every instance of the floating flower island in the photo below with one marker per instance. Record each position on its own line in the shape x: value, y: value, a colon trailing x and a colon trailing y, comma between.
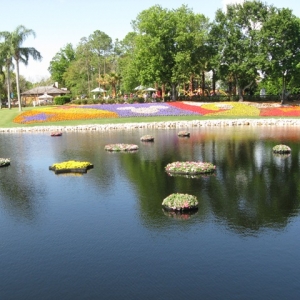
x: 190, y: 168
x: 71, y: 166
x: 4, y: 162
x: 147, y: 138
x: 183, y: 134
x: 281, y: 149
x: 180, y: 202
x: 56, y: 133
x: 121, y: 147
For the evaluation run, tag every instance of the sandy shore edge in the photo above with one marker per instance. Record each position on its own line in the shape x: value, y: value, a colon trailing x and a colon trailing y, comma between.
x: 157, y: 125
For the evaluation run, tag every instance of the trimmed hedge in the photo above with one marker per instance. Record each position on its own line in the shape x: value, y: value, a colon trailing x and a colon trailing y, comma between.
x: 61, y: 100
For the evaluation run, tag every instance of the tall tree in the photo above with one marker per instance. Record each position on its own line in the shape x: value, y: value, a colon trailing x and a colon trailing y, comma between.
x: 281, y: 47
x: 100, y: 45
x: 6, y: 57
x: 20, y: 53
x: 237, y: 32
x: 168, y: 44
x: 60, y: 63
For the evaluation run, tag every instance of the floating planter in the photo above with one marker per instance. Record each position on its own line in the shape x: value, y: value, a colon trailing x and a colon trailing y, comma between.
x: 147, y: 138
x: 190, y: 168
x: 71, y: 166
x: 56, y: 133
x: 121, y: 147
x: 183, y: 134
x: 4, y: 162
x: 281, y: 149
x: 180, y: 202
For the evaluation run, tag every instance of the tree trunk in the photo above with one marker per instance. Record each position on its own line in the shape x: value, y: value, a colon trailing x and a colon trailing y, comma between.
x: 213, y: 82
x: 174, y: 92
x: 241, y: 96
x: 8, y: 87
x: 18, y: 85
x: 203, y: 83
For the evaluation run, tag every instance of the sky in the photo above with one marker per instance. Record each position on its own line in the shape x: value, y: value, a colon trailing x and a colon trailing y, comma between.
x: 59, y: 22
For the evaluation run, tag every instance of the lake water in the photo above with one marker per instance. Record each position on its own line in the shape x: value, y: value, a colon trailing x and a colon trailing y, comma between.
x: 104, y: 235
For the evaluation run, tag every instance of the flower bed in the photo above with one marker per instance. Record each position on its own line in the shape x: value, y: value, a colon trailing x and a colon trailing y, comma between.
x: 4, y: 162
x: 180, y: 202
x: 281, y: 149
x: 121, y: 147
x: 71, y: 166
x: 183, y: 134
x: 56, y: 133
x: 190, y: 167
x: 147, y: 138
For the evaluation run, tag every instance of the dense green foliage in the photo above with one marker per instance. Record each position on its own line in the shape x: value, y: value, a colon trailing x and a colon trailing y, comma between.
x: 246, y: 48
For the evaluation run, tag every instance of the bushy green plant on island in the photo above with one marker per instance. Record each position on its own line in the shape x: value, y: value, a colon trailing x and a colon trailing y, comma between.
x: 190, y: 167
x: 281, y: 149
x: 179, y: 201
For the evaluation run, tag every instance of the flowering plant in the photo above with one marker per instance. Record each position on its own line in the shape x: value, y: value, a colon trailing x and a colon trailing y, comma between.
x: 147, y: 138
x: 281, y: 149
x: 121, y: 147
x: 190, y: 167
x: 179, y: 201
x: 183, y: 133
x: 4, y: 162
x: 71, y: 166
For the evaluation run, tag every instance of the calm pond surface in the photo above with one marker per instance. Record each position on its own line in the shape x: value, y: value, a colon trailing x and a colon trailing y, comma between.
x: 104, y: 235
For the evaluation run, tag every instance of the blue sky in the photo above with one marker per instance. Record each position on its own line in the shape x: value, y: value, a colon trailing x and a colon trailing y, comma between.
x: 58, y: 22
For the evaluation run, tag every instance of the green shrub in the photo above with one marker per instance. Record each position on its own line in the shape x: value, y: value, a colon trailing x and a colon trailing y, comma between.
x: 61, y: 100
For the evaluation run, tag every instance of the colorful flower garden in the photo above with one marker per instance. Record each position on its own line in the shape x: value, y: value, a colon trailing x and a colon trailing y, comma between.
x: 100, y: 111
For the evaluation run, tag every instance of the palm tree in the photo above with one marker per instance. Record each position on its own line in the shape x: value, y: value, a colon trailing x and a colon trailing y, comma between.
x: 13, y: 48
x: 22, y: 54
x: 6, y: 60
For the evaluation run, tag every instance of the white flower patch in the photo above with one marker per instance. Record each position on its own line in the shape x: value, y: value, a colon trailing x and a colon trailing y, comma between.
x: 224, y: 106
x: 144, y: 110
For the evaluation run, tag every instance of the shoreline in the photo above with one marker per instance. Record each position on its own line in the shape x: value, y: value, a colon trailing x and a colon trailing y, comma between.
x: 156, y: 125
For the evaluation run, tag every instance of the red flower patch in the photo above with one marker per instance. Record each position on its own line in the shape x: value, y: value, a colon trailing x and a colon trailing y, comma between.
x: 193, y: 108
x: 280, y: 112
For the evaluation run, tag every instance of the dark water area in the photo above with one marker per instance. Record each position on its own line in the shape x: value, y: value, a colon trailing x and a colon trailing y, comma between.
x: 104, y: 234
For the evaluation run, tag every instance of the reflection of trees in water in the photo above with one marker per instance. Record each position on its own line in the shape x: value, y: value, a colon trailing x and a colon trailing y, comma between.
x: 249, y: 197
x: 252, y: 189
x: 19, y: 190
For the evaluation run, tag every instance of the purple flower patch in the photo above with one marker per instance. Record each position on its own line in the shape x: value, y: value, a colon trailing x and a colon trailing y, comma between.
x: 142, y: 109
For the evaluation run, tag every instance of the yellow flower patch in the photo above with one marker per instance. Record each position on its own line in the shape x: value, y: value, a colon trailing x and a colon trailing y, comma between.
x: 232, y: 109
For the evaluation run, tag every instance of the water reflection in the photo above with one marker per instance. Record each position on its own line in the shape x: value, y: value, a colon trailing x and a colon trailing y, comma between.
x: 251, y: 189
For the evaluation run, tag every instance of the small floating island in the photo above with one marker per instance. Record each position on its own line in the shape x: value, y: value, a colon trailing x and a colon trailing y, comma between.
x: 183, y: 133
x: 281, y: 149
x: 121, y: 147
x: 71, y: 166
x: 147, y: 138
x: 56, y: 134
x: 4, y: 162
x: 190, y: 168
x: 180, y: 202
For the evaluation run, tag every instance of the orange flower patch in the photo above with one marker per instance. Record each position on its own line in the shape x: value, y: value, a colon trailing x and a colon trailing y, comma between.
x: 61, y: 114
x: 292, y: 111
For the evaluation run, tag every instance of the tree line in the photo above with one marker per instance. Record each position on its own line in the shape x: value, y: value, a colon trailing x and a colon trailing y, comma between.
x: 248, y: 47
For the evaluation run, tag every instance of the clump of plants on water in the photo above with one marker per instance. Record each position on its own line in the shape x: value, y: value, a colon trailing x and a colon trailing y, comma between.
x: 121, y: 147
x: 4, y: 162
x: 147, y: 138
x: 190, y: 167
x: 284, y: 149
x: 71, y: 166
x: 183, y: 133
x: 180, y: 202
